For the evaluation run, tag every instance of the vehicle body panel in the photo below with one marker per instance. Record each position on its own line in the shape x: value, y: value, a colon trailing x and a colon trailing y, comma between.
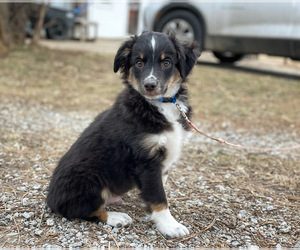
x: 241, y: 27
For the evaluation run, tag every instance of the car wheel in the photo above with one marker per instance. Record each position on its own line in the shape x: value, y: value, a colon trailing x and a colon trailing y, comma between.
x: 58, y: 30
x: 184, y: 24
x: 228, y: 57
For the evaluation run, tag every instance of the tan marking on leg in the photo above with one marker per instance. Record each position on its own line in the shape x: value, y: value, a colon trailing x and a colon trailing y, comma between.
x: 101, y: 215
x: 105, y: 194
x: 158, y: 207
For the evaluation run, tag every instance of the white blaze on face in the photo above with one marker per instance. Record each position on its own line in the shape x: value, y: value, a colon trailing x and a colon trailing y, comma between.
x: 150, y: 75
x: 153, y: 51
x: 153, y: 45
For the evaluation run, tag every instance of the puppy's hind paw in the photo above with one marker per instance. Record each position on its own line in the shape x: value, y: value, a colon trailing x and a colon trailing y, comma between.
x: 116, y: 219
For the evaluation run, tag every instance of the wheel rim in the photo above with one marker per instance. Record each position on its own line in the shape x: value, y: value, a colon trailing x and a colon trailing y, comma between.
x: 228, y: 54
x: 183, y: 30
x: 57, y: 29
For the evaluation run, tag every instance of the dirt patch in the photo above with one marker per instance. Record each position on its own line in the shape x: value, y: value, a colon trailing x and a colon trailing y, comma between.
x: 226, y: 197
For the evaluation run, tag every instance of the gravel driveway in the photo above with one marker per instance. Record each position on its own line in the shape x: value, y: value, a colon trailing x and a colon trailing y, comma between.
x: 221, y: 206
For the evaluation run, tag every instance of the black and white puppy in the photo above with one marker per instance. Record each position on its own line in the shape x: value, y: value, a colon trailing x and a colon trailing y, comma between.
x: 133, y: 143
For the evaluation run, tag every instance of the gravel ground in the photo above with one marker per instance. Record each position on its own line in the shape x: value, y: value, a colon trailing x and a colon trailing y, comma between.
x: 226, y: 197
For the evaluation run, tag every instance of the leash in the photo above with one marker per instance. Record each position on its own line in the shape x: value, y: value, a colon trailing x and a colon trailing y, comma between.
x: 174, y: 101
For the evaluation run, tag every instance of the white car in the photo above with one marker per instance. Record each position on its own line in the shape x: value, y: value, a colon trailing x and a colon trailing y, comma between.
x: 231, y: 29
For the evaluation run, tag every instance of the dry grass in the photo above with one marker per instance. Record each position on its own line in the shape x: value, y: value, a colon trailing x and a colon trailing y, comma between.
x: 61, y: 80
x: 48, y: 97
x: 76, y: 82
x: 245, y: 99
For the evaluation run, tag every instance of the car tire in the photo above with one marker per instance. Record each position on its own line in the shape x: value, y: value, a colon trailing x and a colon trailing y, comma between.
x: 58, y: 30
x: 228, y: 57
x: 185, y: 25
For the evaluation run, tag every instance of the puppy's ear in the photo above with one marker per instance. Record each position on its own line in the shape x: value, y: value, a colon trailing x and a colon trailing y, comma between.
x: 192, y: 52
x: 187, y: 55
x: 122, y: 58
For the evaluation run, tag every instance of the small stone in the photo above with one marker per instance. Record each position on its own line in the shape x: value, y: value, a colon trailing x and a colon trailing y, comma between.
x: 200, y: 204
x: 79, y: 235
x: 4, y: 199
x: 253, y: 247
x: 297, y: 245
x: 102, y: 241
x: 284, y: 227
x: 50, y: 222
x: 220, y: 187
x: 206, y: 240
x: 247, y: 238
x: 27, y: 215
x: 227, y: 176
x: 33, y: 223
x: 235, y: 243
x: 96, y: 244
x: 26, y: 202
x: 242, y: 214
x: 285, y: 230
x: 38, y: 232
x: 64, y: 220
x: 270, y: 208
x: 253, y: 220
x: 76, y: 244
x: 36, y: 187
x: 23, y: 189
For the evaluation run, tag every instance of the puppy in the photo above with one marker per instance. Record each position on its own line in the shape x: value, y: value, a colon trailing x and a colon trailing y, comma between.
x: 133, y: 143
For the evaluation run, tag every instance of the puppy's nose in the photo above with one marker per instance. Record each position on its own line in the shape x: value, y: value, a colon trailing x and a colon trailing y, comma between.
x: 150, y: 84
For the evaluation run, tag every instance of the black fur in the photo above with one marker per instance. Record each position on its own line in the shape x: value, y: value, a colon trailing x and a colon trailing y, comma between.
x: 109, y: 153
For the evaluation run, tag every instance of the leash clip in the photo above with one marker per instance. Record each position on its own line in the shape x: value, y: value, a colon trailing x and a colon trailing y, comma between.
x: 182, y: 112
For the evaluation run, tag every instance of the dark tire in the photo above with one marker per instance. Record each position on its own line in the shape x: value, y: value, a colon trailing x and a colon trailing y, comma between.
x: 186, y: 26
x: 295, y: 58
x: 58, y: 30
x: 228, y: 57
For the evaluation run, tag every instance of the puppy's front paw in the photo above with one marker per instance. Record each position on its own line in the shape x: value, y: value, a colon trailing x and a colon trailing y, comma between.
x: 116, y: 219
x: 167, y: 225
x: 172, y: 229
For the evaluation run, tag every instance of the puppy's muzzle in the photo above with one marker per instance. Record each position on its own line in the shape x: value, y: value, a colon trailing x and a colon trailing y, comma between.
x: 150, y: 85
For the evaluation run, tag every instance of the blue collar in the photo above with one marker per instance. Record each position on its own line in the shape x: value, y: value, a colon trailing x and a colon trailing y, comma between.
x: 167, y: 99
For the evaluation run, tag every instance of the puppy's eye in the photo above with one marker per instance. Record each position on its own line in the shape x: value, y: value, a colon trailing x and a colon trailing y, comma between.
x: 139, y: 63
x: 166, y: 63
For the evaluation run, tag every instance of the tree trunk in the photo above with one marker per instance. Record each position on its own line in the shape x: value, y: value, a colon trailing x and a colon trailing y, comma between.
x: 4, y: 40
x: 39, y: 25
x: 13, y: 18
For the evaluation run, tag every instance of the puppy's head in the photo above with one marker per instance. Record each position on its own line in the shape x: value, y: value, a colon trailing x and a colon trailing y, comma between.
x: 155, y: 64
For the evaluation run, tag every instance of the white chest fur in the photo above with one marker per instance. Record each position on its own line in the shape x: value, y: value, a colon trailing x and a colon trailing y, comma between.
x: 172, y: 140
